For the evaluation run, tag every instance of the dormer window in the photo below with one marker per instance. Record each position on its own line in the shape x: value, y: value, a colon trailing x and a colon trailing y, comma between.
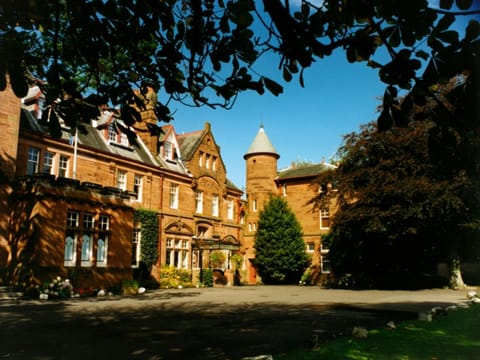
x: 112, y: 133
x: 117, y: 137
x: 168, y: 150
x: 123, y: 139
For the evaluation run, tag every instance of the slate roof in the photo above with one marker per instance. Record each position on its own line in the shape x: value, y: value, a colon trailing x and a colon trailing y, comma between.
x: 189, y: 142
x: 93, y: 139
x: 303, y: 171
x: 261, y: 145
x: 90, y: 137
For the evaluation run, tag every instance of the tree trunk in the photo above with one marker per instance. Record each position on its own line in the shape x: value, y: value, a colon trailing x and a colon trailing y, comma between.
x: 456, y: 280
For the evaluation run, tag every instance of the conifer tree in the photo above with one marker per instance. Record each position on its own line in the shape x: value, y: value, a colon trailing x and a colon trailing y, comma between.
x: 280, y: 250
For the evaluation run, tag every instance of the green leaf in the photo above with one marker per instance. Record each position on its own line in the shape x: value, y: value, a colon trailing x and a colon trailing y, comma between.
x: 473, y: 30
x: 445, y: 22
x: 351, y: 54
x: 446, y: 4
x: 408, y: 38
x: 394, y: 40
x: 287, y: 76
x: 272, y: 86
x: 450, y: 37
x: 422, y: 54
x: 464, y: 4
x: 384, y: 121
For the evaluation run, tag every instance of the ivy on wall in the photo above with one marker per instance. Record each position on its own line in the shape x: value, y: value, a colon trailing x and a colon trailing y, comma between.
x: 149, y: 243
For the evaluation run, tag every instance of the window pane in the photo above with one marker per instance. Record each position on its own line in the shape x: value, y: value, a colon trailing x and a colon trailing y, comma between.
x: 48, y: 162
x: 86, y: 247
x: 63, y: 166
x: 199, y: 202
x: 215, y: 205
x: 137, y: 186
x: 230, y: 210
x: 88, y: 221
x: 72, y: 219
x: 103, y: 222
x: 32, y: 162
x: 102, y: 250
x: 69, y: 248
x: 122, y: 179
x: 173, y: 196
x: 136, y: 247
x: 112, y: 133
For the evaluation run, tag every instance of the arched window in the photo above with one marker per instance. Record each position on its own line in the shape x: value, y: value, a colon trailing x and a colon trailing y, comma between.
x: 69, y: 257
x: 86, y: 250
x: 102, y: 252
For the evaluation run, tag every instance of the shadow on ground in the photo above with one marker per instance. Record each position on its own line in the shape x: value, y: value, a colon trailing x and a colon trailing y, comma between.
x: 162, y: 329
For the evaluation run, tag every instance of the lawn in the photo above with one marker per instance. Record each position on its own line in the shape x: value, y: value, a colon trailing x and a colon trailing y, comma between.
x: 455, y: 335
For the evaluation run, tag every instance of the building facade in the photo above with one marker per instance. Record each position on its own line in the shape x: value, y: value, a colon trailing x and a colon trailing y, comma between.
x: 296, y: 185
x: 70, y: 203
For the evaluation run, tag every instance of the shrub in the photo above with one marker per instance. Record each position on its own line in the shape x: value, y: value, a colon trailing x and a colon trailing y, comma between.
x: 56, y: 289
x: 207, y: 277
x: 171, y: 277
x: 130, y: 287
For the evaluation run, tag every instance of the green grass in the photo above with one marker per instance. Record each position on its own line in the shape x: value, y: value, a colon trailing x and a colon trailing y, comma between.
x: 449, y: 337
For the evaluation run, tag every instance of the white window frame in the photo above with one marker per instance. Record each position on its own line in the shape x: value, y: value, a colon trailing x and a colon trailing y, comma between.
x: 173, y: 196
x: 48, y: 162
x: 124, y: 139
x: 230, y: 209
x: 324, y: 214
x: 200, y: 159
x: 73, y: 219
x: 33, y: 160
x: 324, y: 261
x: 255, y: 205
x: 112, y: 133
x: 310, y: 247
x: 102, y: 250
x: 207, y: 161
x: 168, y: 150
x: 88, y: 221
x: 199, y: 202
x: 214, y: 163
x: 86, y: 254
x: 70, y: 250
x: 177, y: 253
x: 136, y: 247
x: 215, y: 205
x: 138, y: 186
x: 63, y: 166
x: 122, y: 180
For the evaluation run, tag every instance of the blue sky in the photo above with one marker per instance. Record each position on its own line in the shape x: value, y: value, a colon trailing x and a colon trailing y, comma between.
x: 304, y: 124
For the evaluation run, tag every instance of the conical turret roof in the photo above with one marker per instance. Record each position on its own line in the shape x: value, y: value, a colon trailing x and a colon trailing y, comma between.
x: 261, y: 145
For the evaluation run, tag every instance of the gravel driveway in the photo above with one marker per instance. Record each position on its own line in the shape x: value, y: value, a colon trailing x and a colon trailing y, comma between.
x: 212, y: 323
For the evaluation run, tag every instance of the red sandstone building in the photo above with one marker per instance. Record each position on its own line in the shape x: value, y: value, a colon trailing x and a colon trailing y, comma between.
x: 68, y: 204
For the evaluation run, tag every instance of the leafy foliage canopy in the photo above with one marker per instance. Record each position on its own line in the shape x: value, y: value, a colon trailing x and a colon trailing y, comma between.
x: 204, y: 52
x: 400, y: 211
